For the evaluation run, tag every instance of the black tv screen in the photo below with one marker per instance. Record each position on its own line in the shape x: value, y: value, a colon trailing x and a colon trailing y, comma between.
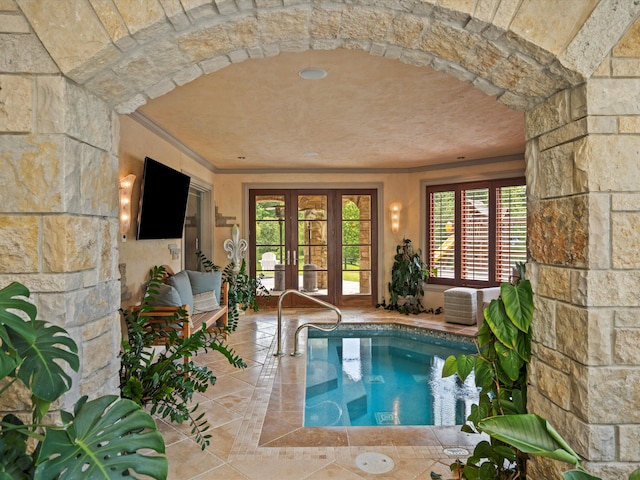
x: 163, y: 201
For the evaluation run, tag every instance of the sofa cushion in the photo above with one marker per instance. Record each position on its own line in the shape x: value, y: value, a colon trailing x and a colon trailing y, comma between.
x: 202, y: 282
x: 180, y: 281
x: 167, y: 296
x: 205, y: 302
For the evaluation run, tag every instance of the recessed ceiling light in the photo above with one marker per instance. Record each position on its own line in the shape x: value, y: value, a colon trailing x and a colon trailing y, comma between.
x: 310, y: 154
x: 312, y: 73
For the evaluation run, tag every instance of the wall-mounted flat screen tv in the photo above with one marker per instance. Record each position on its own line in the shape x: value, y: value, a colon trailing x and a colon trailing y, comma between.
x: 163, y: 201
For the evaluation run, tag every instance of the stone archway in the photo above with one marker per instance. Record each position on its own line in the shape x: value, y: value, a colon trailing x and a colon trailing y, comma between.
x: 87, y: 60
x: 127, y: 57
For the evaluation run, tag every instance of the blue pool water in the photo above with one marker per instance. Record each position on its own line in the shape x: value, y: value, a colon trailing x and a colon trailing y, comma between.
x: 371, y: 375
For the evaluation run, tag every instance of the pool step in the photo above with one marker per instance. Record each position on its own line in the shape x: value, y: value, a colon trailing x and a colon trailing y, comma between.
x: 322, y: 377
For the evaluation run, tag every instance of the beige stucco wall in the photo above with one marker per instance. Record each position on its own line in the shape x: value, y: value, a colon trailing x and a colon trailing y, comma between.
x: 407, y: 188
x: 136, y: 143
x: 229, y: 192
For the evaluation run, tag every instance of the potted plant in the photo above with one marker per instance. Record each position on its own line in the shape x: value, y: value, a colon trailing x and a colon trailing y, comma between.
x: 500, y: 369
x: 102, y: 438
x: 244, y: 290
x: 408, y: 275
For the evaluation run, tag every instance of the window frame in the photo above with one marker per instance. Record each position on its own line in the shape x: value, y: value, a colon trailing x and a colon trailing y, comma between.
x: 458, y: 188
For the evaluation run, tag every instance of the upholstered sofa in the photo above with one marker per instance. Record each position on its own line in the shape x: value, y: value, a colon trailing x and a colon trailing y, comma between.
x: 201, y: 295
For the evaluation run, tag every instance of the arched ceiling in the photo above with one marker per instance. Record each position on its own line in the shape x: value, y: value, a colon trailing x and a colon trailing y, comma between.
x: 218, y: 78
x: 367, y: 113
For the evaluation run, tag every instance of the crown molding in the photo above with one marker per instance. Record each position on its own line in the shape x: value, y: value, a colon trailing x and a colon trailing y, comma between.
x: 156, y: 129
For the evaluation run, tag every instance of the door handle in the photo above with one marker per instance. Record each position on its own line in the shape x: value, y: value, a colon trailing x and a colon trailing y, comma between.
x: 288, y: 257
x: 295, y: 258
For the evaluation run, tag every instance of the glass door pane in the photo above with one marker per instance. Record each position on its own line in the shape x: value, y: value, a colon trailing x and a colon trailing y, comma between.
x: 312, y: 251
x: 270, y: 248
x: 320, y: 242
x: 356, y: 260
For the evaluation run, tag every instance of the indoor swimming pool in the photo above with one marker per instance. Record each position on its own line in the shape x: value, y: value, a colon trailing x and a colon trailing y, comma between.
x: 372, y: 375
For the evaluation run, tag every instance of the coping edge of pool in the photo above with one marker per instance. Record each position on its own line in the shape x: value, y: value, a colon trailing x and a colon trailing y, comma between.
x: 381, y: 327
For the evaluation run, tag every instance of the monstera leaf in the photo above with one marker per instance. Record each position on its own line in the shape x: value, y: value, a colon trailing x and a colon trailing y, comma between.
x: 14, y: 462
x: 11, y: 325
x: 101, y: 440
x: 41, y: 369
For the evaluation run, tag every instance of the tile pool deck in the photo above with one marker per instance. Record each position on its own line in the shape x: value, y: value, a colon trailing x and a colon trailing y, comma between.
x: 256, y: 414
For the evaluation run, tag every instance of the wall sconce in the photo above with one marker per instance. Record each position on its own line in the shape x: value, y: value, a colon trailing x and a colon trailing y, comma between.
x: 125, y: 189
x: 174, y: 250
x: 395, y: 208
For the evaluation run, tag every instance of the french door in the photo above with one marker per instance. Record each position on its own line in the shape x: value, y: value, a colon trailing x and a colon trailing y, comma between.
x: 320, y: 242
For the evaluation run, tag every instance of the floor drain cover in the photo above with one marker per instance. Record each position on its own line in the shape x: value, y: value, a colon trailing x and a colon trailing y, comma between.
x: 456, y: 451
x: 371, y: 462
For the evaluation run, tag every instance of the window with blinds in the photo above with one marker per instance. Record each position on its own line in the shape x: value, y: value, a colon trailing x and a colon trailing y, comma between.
x: 474, y: 248
x: 442, y: 237
x: 476, y: 232
x: 511, y: 229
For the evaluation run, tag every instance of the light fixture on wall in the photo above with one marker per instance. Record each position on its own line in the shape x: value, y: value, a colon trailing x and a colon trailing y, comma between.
x: 125, y: 189
x: 395, y: 208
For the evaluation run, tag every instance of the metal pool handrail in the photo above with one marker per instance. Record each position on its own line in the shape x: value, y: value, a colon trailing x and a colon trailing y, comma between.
x: 304, y: 325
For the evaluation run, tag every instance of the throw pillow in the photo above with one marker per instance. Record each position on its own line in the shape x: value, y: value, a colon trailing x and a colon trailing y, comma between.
x: 167, y: 296
x: 205, y: 302
x: 180, y: 281
x: 202, y: 282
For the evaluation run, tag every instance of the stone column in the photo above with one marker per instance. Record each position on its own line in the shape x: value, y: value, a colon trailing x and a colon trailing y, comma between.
x: 58, y: 215
x: 583, y: 154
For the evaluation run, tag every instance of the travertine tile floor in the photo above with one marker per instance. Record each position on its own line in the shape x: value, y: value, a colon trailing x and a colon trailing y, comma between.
x: 256, y: 414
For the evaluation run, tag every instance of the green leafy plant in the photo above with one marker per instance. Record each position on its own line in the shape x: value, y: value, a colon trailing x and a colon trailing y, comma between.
x: 163, y: 379
x: 102, y: 438
x: 244, y: 290
x: 500, y: 370
x: 408, y: 275
x: 532, y: 434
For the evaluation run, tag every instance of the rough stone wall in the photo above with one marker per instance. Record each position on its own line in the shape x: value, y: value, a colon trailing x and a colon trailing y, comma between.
x: 583, y: 157
x: 129, y: 55
x: 58, y: 215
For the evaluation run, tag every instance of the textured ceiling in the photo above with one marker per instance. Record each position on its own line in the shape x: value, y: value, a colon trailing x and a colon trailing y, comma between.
x: 368, y: 113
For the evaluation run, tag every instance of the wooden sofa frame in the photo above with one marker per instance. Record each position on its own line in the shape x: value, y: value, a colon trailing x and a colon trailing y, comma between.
x: 159, y: 317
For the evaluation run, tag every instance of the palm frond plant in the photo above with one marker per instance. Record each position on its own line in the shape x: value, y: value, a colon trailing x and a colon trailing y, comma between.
x: 102, y: 438
x: 162, y: 380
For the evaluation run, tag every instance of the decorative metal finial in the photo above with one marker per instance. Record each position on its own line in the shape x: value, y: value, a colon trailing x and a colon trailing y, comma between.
x: 236, y: 247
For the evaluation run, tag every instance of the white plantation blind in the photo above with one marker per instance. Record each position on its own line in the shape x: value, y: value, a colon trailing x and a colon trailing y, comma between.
x: 476, y: 232
x: 441, y: 234
x: 511, y: 229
